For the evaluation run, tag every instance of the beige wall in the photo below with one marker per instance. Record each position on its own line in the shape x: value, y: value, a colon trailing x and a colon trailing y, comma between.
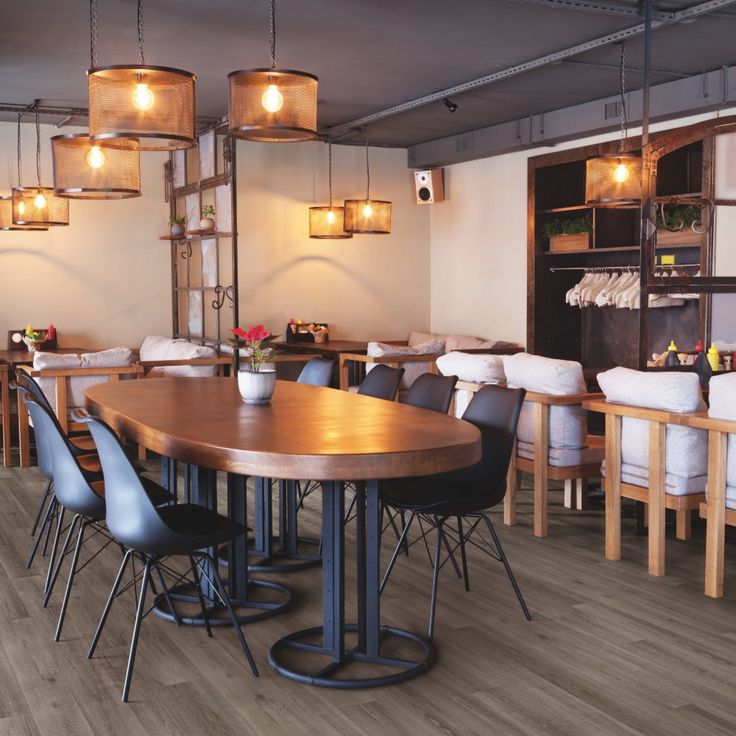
x: 104, y: 279
x: 370, y: 286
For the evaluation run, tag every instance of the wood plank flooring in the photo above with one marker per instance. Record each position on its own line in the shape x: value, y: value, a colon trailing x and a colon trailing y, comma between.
x: 611, y: 650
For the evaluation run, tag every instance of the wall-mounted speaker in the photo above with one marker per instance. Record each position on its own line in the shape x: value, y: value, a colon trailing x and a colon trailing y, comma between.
x: 430, y: 186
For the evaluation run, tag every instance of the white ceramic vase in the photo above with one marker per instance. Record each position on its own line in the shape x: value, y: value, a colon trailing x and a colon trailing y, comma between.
x: 206, y: 223
x: 257, y: 388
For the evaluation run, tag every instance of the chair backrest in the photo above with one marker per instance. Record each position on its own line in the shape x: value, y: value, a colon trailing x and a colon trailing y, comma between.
x: 495, y: 411
x: 382, y: 382
x: 432, y: 392
x: 27, y: 382
x: 317, y: 372
x: 70, y: 486
x: 43, y: 453
x: 131, y: 516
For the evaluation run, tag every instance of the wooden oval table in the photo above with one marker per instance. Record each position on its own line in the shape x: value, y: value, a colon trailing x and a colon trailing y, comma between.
x: 306, y: 432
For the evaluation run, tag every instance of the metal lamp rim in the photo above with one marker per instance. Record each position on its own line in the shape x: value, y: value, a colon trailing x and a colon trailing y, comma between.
x: 141, y: 68
x: 307, y: 134
x: 275, y: 72
x: 102, y: 193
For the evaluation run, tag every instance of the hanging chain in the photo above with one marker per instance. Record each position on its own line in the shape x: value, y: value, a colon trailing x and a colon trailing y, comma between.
x: 140, y: 31
x: 20, y: 159
x: 622, y: 92
x: 93, y: 33
x: 38, y: 146
x: 272, y: 34
x: 329, y: 169
x: 367, y: 169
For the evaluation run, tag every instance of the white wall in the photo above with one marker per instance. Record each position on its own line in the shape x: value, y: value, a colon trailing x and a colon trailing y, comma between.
x: 104, y: 279
x: 367, y: 287
x: 478, y: 250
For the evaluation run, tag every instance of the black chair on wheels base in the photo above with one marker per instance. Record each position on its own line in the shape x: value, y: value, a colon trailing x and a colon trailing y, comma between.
x: 153, y: 535
x: 464, y: 494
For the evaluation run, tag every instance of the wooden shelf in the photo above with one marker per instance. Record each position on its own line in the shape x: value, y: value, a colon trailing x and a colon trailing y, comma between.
x: 573, y: 208
x: 196, y: 235
x: 618, y: 249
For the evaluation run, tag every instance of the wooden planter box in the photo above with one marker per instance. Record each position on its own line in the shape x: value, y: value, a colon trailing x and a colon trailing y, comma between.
x: 686, y: 236
x: 565, y: 243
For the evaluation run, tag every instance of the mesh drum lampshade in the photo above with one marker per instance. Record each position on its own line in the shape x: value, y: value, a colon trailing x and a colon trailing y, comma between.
x: 327, y: 223
x: 272, y: 105
x: 153, y: 105
x: 6, y: 216
x: 368, y: 216
x: 39, y: 207
x: 613, y: 180
x: 85, y: 170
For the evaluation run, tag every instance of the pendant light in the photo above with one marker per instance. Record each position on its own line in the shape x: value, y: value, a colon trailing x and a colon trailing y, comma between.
x: 153, y: 105
x: 6, y: 217
x: 85, y: 170
x: 368, y: 216
x: 614, y: 179
x: 37, y: 206
x: 328, y: 223
x: 272, y: 105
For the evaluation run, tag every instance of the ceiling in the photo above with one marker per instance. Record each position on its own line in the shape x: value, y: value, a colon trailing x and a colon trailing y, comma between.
x: 369, y: 56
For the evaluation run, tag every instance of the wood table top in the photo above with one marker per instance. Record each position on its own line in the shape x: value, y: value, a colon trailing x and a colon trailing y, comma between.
x: 305, y: 433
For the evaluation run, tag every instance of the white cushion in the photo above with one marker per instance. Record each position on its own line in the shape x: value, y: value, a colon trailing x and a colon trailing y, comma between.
x: 677, y: 485
x: 462, y: 342
x: 412, y: 370
x: 686, y: 449
x: 545, y: 375
x: 723, y: 406
x: 55, y: 361
x: 561, y: 457
x: 113, y: 358
x: 474, y: 367
x: 417, y: 338
x: 155, y: 347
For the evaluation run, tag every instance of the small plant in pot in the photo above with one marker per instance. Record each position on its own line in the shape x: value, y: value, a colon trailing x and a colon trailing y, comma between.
x: 176, y: 225
x: 565, y: 234
x: 208, y: 218
x: 257, y: 379
x: 680, y: 224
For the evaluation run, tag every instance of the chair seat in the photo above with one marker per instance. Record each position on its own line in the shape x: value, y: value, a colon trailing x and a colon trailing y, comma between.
x: 198, y: 527
x: 434, y: 495
x: 157, y: 493
x: 83, y: 444
x: 565, y: 457
x: 677, y: 485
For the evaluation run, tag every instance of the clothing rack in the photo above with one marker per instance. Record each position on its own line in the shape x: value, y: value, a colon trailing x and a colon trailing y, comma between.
x: 630, y: 268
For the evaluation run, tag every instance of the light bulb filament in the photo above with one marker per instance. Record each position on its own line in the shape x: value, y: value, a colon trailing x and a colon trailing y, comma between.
x: 95, y: 157
x: 330, y: 216
x: 272, y: 100
x: 143, y: 98
x: 39, y: 201
x: 21, y: 208
x: 621, y: 173
x: 367, y: 210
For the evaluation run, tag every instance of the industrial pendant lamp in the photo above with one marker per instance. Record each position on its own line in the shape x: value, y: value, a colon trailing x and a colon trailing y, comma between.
x: 614, y: 179
x: 367, y: 216
x: 38, y: 206
x: 6, y: 216
x: 328, y: 223
x: 153, y: 105
x: 272, y: 105
x: 85, y: 170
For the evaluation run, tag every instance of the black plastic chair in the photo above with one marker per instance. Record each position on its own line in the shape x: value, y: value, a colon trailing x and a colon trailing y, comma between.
x: 155, y: 534
x: 464, y: 494
x: 317, y: 372
x: 431, y: 392
x: 381, y: 382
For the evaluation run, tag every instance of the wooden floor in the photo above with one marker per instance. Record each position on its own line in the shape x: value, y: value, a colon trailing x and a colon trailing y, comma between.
x: 610, y: 650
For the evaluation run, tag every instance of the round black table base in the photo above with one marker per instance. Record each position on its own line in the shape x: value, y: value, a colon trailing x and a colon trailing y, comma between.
x: 279, y: 560
x: 245, y: 611
x: 329, y: 675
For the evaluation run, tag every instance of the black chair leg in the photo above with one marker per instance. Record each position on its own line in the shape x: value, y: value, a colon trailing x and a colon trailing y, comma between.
x: 202, y: 605
x: 167, y: 595
x: 225, y: 598
x: 435, y: 577
x: 41, y: 508
x: 397, y: 549
x: 463, y: 556
x: 70, y: 580
x: 45, y: 527
x: 509, y: 572
x: 108, y: 605
x: 137, y: 627
x: 54, y: 548
x: 62, y: 554
x: 50, y: 526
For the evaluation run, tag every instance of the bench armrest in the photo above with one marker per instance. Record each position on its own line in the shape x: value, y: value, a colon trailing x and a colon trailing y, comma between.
x: 640, y: 412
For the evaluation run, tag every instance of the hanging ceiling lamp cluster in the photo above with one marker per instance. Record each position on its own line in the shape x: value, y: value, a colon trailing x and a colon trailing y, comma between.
x: 272, y: 105
x: 328, y: 223
x: 368, y: 216
x: 614, y: 180
x: 149, y: 107
x: 36, y: 207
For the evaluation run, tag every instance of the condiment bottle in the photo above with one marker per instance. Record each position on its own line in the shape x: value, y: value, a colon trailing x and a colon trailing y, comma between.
x: 671, y: 358
x: 713, y: 356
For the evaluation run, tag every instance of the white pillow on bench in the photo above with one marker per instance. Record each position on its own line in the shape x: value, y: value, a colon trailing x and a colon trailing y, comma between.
x: 155, y: 347
x: 412, y: 370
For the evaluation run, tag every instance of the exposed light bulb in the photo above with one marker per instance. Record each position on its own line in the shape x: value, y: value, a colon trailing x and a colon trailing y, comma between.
x: 367, y: 210
x: 272, y: 100
x: 21, y: 208
x: 330, y: 216
x: 39, y: 201
x: 143, y: 98
x: 95, y: 157
x: 621, y: 173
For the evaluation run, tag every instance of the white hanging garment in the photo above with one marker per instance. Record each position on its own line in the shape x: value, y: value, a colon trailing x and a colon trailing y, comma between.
x: 603, y: 296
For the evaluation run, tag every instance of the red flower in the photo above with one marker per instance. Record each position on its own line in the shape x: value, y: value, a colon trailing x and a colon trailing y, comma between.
x: 259, y: 332
x: 239, y: 333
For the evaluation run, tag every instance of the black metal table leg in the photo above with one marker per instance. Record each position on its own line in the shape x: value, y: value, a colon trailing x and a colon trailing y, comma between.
x: 371, y: 635
x: 245, y: 594
x: 168, y: 474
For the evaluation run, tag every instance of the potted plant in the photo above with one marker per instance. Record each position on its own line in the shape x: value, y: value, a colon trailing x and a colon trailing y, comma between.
x: 207, y: 222
x: 568, y: 234
x: 257, y: 379
x: 176, y: 225
x: 677, y: 225
x: 34, y: 339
